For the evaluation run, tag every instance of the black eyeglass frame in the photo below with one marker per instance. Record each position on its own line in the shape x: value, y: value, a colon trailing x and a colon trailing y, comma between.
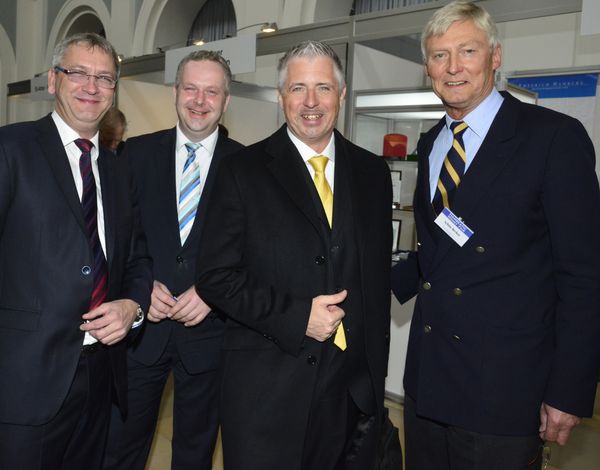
x: 101, y: 80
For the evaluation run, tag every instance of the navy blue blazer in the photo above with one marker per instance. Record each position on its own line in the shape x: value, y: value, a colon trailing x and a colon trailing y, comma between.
x: 43, y: 288
x: 152, y: 160
x: 511, y: 319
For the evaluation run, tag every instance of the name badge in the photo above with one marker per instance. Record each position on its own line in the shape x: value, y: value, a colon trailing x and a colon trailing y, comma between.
x: 453, y: 227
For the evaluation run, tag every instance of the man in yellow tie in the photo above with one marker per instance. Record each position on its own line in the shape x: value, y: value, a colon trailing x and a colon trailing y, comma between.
x: 296, y: 252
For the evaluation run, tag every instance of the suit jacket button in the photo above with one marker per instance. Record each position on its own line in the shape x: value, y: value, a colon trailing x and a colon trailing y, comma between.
x: 320, y: 259
x: 311, y: 360
x: 427, y: 285
x: 427, y: 329
x: 480, y: 249
x: 86, y: 270
x: 179, y: 259
x: 457, y: 291
x: 456, y: 337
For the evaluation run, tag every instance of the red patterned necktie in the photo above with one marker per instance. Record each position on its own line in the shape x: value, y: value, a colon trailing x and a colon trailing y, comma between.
x: 90, y: 217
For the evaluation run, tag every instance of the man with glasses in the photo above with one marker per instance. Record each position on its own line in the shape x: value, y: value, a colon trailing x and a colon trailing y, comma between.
x: 74, y: 270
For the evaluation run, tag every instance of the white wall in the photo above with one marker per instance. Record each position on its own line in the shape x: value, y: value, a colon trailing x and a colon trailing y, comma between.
x: 148, y: 107
x: 375, y: 69
x: 249, y: 121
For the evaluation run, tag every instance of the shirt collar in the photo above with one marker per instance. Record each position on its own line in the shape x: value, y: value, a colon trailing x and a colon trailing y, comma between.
x: 307, y: 153
x: 209, y: 143
x: 480, y: 119
x: 69, y: 135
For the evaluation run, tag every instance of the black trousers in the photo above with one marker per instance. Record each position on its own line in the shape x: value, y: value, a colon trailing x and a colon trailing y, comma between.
x: 430, y: 445
x: 76, y: 436
x: 195, y: 416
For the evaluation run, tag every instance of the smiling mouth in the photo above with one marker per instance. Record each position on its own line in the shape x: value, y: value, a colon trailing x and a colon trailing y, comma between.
x: 198, y: 113
x: 312, y: 117
x: 457, y: 83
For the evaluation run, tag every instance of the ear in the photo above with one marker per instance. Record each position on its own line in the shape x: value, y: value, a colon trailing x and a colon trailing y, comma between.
x: 225, y: 106
x: 425, y: 69
x: 342, y: 96
x: 51, y: 81
x: 279, y: 99
x: 497, y: 57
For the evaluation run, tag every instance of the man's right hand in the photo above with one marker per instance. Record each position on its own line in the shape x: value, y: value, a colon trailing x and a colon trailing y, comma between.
x: 162, y: 300
x: 325, y: 315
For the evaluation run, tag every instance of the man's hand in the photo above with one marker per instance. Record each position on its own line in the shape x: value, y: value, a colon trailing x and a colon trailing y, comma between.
x: 189, y: 309
x: 325, y: 316
x: 161, y: 303
x: 110, y: 322
x: 556, y: 425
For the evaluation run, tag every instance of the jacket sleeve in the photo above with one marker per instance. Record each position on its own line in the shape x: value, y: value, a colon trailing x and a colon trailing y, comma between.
x: 226, y: 283
x: 571, y: 202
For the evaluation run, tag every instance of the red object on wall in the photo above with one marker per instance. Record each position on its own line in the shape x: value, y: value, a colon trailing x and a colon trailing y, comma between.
x: 394, y: 145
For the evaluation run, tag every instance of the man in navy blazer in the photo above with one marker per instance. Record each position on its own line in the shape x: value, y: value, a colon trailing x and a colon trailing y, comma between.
x: 182, y: 335
x: 73, y: 274
x: 503, y: 350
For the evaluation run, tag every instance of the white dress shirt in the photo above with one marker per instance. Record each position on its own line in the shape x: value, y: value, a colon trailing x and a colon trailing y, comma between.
x: 307, y: 153
x: 203, y: 157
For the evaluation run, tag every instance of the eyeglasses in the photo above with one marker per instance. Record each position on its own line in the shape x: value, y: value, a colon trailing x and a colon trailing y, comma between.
x: 80, y: 77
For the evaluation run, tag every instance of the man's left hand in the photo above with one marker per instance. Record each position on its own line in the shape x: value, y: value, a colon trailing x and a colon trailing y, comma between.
x: 110, y: 322
x: 556, y: 425
x: 190, y: 309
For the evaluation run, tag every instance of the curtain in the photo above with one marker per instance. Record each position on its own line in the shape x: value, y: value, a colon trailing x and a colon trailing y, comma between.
x: 367, y: 6
x: 215, y: 20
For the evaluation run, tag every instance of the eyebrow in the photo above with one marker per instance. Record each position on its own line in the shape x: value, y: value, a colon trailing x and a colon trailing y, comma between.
x: 86, y: 69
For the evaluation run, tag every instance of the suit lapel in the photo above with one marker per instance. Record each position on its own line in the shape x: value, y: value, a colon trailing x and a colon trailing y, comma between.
x: 495, y: 152
x: 108, y: 204
x: 424, y: 214
x: 288, y: 168
x: 162, y: 160
x: 345, y: 187
x: 53, y: 150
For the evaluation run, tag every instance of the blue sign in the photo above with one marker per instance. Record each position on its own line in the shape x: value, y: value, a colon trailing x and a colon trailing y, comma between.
x: 560, y: 86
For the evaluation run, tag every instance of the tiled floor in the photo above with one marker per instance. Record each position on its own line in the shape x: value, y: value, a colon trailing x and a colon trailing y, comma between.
x: 582, y: 452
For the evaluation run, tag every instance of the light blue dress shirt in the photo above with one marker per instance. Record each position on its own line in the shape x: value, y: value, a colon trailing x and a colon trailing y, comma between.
x: 479, y: 121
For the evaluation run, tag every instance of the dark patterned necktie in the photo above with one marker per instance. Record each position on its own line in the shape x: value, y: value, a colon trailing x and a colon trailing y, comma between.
x: 90, y: 217
x: 452, y: 170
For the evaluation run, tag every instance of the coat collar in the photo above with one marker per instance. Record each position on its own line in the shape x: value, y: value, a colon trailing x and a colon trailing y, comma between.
x: 288, y: 168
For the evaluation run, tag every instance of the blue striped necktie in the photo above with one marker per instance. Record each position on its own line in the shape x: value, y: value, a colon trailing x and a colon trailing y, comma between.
x: 189, y: 193
x: 452, y: 170
x: 90, y: 217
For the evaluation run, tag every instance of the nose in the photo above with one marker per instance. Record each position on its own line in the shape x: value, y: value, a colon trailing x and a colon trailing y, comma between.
x: 454, y: 64
x: 200, y: 96
x: 310, y: 99
x: 90, y: 86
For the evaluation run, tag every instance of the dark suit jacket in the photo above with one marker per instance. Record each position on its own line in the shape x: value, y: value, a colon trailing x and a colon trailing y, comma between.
x: 152, y: 159
x: 43, y: 247
x: 265, y: 253
x: 512, y: 318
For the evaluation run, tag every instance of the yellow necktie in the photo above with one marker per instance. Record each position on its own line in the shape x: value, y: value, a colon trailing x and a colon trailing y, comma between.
x: 319, y: 163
